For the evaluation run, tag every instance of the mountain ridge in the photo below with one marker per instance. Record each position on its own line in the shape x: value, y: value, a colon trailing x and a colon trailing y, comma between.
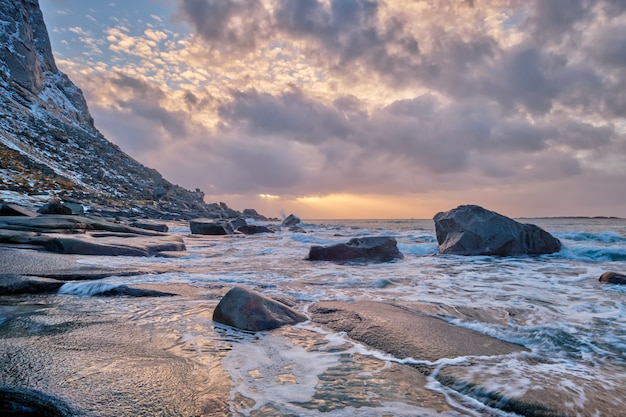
x: 49, y: 143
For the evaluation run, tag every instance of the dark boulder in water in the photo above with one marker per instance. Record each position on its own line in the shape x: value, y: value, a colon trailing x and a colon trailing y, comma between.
x: 249, y: 310
x: 473, y: 230
x: 363, y: 249
x: 210, y: 227
x: 613, y: 278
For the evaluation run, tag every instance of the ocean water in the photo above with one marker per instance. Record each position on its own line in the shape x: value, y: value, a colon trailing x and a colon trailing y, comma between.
x: 573, y: 326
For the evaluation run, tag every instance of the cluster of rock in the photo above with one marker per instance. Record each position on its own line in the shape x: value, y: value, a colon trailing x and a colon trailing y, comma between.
x: 202, y: 226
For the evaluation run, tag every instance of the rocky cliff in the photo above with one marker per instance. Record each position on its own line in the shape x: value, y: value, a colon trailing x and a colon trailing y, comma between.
x: 49, y: 144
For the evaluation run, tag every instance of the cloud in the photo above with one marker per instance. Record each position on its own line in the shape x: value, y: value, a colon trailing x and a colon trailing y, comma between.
x: 316, y: 97
x: 225, y: 24
x: 291, y: 113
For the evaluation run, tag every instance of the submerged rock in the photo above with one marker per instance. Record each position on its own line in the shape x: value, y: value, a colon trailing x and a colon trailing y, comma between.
x: 613, y: 278
x: 473, y: 230
x: 249, y: 310
x: 374, y: 249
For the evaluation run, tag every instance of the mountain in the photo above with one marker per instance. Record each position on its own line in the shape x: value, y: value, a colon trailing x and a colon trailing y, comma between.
x: 49, y: 144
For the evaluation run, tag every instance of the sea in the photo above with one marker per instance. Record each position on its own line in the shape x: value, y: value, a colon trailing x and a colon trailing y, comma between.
x: 572, y: 325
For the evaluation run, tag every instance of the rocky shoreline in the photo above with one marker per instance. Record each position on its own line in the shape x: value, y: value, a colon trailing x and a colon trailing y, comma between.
x: 36, y: 259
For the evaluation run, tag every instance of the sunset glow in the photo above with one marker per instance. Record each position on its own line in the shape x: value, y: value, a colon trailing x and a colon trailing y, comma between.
x: 359, y: 108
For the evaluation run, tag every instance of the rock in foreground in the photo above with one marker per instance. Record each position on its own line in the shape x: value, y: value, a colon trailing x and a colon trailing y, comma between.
x: 406, y: 333
x: 249, y: 310
x: 473, y: 230
x: 374, y: 249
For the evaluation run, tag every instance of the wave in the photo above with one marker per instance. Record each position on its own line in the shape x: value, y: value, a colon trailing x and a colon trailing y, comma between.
x: 604, y: 237
x: 87, y: 289
x: 594, y: 253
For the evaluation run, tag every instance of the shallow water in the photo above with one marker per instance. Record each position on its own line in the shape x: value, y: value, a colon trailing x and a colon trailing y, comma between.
x: 574, y: 326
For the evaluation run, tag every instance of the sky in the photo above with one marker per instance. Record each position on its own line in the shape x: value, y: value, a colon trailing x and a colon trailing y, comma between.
x: 362, y: 108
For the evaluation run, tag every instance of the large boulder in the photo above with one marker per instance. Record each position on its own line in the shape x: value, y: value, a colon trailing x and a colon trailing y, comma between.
x: 374, y: 249
x: 210, y: 227
x: 249, y: 310
x: 473, y: 230
x: 291, y: 220
x: 613, y: 278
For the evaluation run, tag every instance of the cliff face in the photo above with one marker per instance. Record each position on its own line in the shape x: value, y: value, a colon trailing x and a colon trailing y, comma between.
x: 48, y: 142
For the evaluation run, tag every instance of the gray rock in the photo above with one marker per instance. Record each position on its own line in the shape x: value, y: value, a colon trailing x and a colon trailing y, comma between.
x: 238, y: 222
x: 249, y: 310
x: 68, y: 224
x: 55, y: 208
x: 473, y: 230
x: 613, y: 278
x: 9, y: 209
x: 297, y: 229
x: 253, y: 214
x: 291, y: 220
x: 253, y: 229
x: 76, y: 208
x: 151, y: 225
x: 19, y: 284
x: 210, y: 227
x: 373, y: 249
x: 114, y: 246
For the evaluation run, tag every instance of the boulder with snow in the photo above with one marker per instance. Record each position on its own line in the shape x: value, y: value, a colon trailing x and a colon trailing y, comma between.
x: 473, y: 230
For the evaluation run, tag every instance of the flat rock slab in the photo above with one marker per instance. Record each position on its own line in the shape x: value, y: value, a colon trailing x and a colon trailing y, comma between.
x: 405, y: 333
x: 62, y: 267
x: 114, y: 246
x: 19, y: 284
x: 68, y: 224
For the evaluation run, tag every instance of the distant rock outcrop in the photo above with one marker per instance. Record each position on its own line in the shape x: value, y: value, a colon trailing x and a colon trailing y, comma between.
x: 473, y: 230
x: 363, y: 249
x: 48, y: 140
x: 249, y: 310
